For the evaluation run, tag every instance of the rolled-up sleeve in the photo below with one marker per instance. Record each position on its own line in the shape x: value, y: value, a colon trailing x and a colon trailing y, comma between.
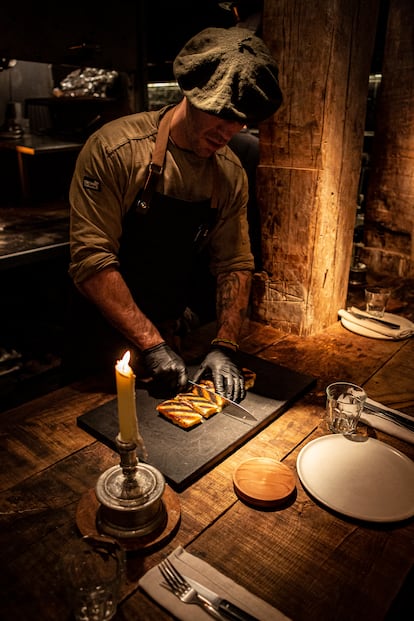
x: 100, y: 194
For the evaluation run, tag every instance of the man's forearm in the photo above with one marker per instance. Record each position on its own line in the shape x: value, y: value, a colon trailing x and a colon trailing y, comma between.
x: 109, y: 292
x: 233, y: 294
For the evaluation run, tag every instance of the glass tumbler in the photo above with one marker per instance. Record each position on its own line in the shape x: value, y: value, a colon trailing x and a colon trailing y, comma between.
x: 344, y: 405
x: 92, y: 569
x: 376, y: 299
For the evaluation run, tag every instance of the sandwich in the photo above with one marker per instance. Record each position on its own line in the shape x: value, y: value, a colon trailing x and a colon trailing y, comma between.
x: 179, y: 413
x: 201, y: 404
x: 206, y: 390
x: 188, y: 409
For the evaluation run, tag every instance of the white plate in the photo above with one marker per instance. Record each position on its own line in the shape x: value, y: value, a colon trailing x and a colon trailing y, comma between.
x: 363, y: 331
x: 362, y: 478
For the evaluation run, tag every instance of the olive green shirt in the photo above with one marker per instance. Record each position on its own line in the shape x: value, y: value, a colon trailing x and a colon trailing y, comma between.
x: 110, y: 171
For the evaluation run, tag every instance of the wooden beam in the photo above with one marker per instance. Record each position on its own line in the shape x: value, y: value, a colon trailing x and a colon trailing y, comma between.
x: 310, y: 159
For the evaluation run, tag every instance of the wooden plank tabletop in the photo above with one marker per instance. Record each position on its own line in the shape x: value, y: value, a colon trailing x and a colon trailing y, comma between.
x: 302, y: 558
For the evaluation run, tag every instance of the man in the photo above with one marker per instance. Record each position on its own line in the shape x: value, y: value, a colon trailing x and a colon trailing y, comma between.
x: 139, y: 231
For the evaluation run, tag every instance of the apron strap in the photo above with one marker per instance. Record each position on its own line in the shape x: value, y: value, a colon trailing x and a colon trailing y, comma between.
x: 156, y: 166
x: 157, y: 163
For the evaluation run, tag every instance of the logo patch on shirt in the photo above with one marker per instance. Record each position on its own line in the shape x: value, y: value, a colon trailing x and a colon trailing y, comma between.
x: 91, y: 184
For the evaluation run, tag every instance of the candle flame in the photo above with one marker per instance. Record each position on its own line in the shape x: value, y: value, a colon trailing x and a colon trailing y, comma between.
x: 124, y: 363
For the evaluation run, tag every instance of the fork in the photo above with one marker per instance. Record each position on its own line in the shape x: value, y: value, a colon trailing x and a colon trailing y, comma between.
x: 385, y: 414
x: 183, y: 589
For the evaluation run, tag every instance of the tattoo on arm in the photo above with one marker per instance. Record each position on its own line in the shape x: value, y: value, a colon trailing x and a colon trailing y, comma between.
x: 233, y: 292
x: 227, y: 290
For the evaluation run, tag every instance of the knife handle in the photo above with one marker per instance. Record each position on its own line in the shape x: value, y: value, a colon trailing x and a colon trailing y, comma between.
x: 230, y: 611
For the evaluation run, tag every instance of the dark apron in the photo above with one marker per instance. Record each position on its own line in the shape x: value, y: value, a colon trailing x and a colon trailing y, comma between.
x: 162, y: 256
x: 164, y: 261
x: 162, y: 251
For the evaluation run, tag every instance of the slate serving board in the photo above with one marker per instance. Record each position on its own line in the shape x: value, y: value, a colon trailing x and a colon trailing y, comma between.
x: 183, y: 455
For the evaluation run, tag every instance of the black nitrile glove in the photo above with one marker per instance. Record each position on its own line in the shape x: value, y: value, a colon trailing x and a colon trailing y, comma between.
x: 227, y: 377
x: 167, y: 369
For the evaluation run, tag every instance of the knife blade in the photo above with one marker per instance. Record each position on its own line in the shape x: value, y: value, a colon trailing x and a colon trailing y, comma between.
x: 240, y: 413
x: 383, y: 322
x: 223, y: 606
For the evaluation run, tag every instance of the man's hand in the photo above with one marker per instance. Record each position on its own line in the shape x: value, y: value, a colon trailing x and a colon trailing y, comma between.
x: 167, y: 369
x: 227, y: 377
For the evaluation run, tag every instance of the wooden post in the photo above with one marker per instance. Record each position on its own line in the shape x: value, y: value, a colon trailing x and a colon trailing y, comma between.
x: 389, y: 210
x: 310, y: 159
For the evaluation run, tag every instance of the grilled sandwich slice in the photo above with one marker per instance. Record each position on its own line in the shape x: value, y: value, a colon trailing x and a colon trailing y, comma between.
x: 188, y: 409
x: 209, y: 393
x: 179, y: 413
x: 200, y: 404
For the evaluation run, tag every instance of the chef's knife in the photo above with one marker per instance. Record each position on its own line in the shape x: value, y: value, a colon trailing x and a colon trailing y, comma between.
x: 383, y: 322
x: 223, y: 606
x: 238, y: 412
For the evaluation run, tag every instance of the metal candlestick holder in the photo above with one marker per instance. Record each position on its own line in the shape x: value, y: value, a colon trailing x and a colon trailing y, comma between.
x: 130, y: 495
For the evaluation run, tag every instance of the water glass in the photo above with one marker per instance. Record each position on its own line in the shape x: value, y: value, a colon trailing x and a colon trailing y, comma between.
x: 376, y: 299
x: 344, y: 405
x: 92, y: 570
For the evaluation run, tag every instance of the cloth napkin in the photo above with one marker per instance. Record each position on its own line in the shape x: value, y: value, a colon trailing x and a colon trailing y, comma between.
x: 405, y: 332
x: 388, y: 426
x: 205, y: 574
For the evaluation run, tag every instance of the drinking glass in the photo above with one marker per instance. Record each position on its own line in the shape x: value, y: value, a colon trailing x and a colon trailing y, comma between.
x: 344, y: 405
x: 92, y: 570
x: 376, y: 299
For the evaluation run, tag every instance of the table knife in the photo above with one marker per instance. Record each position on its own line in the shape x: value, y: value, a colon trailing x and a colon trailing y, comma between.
x: 396, y: 416
x: 240, y: 412
x: 223, y: 606
x: 383, y: 322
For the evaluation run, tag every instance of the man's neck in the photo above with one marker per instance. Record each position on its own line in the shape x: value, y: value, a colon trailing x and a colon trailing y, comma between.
x: 177, y: 127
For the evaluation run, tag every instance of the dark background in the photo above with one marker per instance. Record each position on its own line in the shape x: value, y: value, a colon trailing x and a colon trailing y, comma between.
x: 125, y: 34
x: 117, y: 35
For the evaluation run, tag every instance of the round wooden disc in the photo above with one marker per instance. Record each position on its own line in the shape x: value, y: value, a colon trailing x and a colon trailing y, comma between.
x: 263, y: 481
x: 87, y: 514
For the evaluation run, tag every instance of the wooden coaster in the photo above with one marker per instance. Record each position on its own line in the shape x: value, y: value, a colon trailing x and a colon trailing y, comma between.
x: 88, y: 510
x: 264, y: 482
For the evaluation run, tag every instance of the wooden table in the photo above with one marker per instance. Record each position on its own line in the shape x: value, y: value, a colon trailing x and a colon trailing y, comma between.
x: 302, y: 559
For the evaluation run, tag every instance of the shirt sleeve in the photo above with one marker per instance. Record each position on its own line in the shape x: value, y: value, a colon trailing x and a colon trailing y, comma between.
x: 100, y: 194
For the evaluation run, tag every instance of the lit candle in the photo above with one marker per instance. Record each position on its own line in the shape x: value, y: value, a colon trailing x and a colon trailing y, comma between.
x: 127, y: 413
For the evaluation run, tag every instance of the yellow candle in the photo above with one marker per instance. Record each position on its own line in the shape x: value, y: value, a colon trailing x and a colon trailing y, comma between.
x: 127, y: 413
